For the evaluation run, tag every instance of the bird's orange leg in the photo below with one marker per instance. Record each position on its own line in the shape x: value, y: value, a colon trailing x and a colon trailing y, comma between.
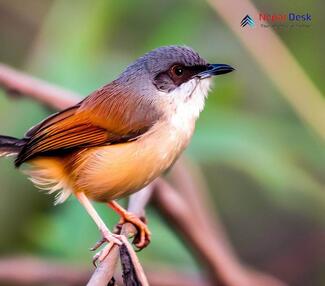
x: 144, y: 234
x: 107, y: 235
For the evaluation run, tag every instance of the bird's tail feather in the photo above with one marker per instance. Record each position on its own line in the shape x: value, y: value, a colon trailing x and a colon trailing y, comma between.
x: 10, y: 145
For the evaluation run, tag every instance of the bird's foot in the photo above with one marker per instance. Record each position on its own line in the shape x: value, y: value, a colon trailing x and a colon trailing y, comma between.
x: 107, y: 237
x: 142, y: 239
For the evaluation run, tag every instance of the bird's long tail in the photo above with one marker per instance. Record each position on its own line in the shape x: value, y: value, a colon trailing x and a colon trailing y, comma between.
x: 10, y: 145
x: 46, y: 173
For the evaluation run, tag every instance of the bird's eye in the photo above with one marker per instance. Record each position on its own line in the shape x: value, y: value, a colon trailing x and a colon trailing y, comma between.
x: 178, y: 70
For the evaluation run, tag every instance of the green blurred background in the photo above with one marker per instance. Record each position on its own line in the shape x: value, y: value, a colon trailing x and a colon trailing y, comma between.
x: 264, y: 167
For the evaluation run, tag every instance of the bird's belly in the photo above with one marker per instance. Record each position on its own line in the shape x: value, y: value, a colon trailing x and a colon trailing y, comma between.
x: 111, y: 172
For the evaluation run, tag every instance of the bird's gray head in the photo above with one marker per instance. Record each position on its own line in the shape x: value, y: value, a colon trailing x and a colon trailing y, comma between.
x: 175, y: 75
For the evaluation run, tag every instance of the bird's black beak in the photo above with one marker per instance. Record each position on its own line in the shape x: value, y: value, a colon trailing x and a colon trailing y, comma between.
x: 215, y: 69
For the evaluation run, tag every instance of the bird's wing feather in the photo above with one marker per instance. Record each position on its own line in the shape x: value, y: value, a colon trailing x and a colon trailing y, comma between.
x: 80, y: 127
x: 53, y: 118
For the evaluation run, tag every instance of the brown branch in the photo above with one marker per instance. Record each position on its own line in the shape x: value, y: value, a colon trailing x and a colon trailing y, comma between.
x: 177, y: 207
x: 130, y: 277
x: 35, y: 271
x: 48, y: 94
x: 205, y: 238
x: 172, y: 278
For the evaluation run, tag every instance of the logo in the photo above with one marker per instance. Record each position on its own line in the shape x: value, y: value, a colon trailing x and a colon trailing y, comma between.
x: 278, y: 20
x: 247, y: 20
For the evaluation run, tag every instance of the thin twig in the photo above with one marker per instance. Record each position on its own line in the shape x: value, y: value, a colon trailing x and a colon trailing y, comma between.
x: 130, y: 276
x: 106, y: 269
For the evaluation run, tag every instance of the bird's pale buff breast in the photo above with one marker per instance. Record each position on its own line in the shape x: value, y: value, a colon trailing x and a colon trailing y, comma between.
x: 116, y: 171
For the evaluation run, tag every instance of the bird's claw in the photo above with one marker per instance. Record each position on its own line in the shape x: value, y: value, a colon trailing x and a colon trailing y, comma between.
x: 98, y: 244
x: 143, y: 236
x: 101, y: 255
x: 112, y: 239
x: 142, y: 239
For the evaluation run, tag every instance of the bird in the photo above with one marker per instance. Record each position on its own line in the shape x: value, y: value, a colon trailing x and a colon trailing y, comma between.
x: 120, y: 137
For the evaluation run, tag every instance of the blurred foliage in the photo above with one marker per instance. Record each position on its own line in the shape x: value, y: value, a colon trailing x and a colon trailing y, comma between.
x: 265, y: 169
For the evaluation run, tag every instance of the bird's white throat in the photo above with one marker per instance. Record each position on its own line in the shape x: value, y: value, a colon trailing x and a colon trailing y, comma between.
x: 188, y: 101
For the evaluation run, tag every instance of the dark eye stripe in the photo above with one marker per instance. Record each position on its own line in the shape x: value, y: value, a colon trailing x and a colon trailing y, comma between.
x: 167, y: 80
x: 187, y: 73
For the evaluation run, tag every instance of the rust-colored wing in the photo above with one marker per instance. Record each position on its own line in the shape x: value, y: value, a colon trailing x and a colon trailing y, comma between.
x: 82, y: 126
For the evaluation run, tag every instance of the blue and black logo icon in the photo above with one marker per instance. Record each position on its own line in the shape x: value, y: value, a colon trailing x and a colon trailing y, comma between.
x: 247, y: 20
